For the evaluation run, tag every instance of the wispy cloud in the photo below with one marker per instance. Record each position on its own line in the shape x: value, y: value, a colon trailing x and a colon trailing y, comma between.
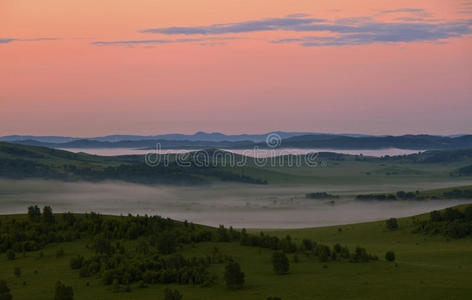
x: 387, y: 33
x: 130, y: 43
x: 417, y: 27
x: 290, y: 22
x: 6, y: 41
x: 419, y: 12
x: 417, y: 19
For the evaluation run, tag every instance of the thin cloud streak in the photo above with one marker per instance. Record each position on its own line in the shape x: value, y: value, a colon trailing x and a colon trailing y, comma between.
x: 169, y: 41
x: 286, y: 23
x: 419, y: 12
x: 6, y: 41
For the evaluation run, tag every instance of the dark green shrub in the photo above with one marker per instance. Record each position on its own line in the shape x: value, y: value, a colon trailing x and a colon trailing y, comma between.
x: 280, y: 263
x: 234, y: 277
x: 172, y: 294
x: 4, y: 291
x: 391, y: 224
x: 390, y: 256
x: 76, y: 262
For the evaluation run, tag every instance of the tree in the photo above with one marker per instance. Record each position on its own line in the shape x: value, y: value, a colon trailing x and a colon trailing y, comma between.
x: 280, y: 263
x: 392, y: 224
x: 77, y: 262
x: 34, y: 213
x: 222, y: 234
x: 63, y: 292
x: 234, y: 277
x: 307, y: 244
x: 48, y: 217
x: 390, y: 256
x: 17, y: 272
x: 4, y: 291
x: 172, y: 294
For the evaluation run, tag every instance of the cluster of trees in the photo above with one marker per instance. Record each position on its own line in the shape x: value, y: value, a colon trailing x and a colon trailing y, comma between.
x: 22, y: 168
x: 402, y: 195
x: 121, y: 267
x: 457, y: 194
x: 270, y: 242
x: 42, y: 228
x: 326, y: 253
x: 376, y: 197
x: 321, y: 195
x: 452, y: 223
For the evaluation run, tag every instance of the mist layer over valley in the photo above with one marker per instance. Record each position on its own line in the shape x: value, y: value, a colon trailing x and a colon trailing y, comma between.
x: 237, y: 205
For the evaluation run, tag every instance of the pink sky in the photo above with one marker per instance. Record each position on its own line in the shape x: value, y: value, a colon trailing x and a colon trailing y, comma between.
x: 90, y: 68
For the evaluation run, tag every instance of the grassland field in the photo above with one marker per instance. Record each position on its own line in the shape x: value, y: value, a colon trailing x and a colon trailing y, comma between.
x: 427, y: 267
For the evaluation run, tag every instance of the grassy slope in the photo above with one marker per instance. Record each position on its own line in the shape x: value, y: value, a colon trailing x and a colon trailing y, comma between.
x: 429, y: 267
x: 349, y: 170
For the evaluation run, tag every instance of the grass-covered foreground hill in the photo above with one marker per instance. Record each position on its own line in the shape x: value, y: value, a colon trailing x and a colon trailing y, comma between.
x: 126, y: 257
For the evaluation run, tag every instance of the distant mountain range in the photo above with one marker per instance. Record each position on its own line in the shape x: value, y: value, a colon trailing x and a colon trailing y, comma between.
x: 199, y: 136
x: 203, y: 140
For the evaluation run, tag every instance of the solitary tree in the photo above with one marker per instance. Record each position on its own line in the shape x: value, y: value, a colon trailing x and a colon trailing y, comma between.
x: 280, y: 263
x: 17, y: 272
x: 172, y: 294
x: 4, y: 291
x: 390, y: 256
x: 234, y: 277
x: 392, y: 224
x: 63, y: 292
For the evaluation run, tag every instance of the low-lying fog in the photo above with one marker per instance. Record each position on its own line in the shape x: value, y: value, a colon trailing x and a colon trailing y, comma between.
x: 250, y: 206
x: 249, y: 152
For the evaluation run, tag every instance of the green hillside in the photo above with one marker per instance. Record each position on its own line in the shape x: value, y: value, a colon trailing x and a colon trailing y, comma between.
x: 427, y: 266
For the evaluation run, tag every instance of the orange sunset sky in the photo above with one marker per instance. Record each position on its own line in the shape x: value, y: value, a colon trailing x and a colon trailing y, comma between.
x: 91, y: 68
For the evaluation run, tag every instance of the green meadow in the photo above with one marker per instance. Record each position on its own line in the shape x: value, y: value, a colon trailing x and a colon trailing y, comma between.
x: 426, y: 267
